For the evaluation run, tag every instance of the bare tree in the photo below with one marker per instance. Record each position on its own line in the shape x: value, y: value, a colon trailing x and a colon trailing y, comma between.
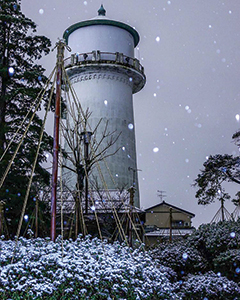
x: 74, y: 137
x: 85, y: 148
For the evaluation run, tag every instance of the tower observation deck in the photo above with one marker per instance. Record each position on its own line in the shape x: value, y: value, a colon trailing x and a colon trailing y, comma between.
x: 105, y: 74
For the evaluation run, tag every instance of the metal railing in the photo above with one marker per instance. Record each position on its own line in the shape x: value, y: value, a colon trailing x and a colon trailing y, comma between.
x: 103, y: 57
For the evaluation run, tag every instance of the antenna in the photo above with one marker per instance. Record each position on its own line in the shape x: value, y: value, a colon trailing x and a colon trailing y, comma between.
x: 161, y: 194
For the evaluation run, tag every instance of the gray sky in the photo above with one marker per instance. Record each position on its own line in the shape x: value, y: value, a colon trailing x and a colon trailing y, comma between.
x: 189, y: 105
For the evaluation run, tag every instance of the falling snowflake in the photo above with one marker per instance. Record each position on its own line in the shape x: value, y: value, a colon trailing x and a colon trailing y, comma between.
x: 11, y: 71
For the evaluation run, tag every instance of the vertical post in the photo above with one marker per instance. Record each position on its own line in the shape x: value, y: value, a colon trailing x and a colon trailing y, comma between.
x: 36, y: 217
x: 222, y: 208
x: 76, y: 216
x: 1, y: 217
x: 170, y: 225
x: 86, y: 139
x: 131, y: 201
x: 86, y: 176
x: 60, y: 56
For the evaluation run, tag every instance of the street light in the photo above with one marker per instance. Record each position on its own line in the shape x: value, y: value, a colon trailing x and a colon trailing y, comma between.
x: 86, y: 137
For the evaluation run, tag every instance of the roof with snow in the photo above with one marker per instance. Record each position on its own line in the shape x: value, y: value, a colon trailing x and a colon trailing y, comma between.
x: 166, y: 232
x: 172, y: 206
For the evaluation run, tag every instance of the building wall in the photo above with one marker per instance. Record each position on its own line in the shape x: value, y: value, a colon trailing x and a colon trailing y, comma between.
x: 160, y: 217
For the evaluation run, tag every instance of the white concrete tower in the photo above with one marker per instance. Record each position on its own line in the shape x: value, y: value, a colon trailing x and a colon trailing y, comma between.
x: 105, y: 75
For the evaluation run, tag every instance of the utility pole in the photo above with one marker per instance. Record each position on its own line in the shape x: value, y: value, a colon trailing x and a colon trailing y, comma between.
x: 60, y: 55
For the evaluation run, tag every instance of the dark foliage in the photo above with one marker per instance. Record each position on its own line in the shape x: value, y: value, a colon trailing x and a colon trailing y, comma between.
x: 217, y: 169
x: 21, y: 81
x: 181, y: 257
x: 213, y: 247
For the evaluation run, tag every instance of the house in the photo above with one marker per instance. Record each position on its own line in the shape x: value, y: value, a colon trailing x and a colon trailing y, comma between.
x: 165, y: 220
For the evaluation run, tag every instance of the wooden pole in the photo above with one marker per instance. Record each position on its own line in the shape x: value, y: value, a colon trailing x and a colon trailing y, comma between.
x: 86, y: 176
x: 1, y: 217
x: 170, y: 227
x: 36, y: 217
x: 222, y: 208
x: 60, y: 56
x: 76, y: 216
x: 131, y: 202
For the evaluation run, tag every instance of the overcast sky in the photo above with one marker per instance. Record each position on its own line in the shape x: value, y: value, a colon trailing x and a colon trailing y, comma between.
x: 190, y: 50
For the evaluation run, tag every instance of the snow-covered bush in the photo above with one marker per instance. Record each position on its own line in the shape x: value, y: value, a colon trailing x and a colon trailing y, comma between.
x: 212, y: 239
x: 83, y: 269
x: 212, y: 247
x: 89, y: 269
x: 180, y: 257
x: 209, y: 286
x: 228, y: 264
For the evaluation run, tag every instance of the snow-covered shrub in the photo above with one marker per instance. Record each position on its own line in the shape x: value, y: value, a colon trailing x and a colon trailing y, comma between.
x: 228, y: 264
x: 212, y: 247
x: 180, y: 257
x: 209, y: 286
x: 88, y: 269
x: 212, y: 239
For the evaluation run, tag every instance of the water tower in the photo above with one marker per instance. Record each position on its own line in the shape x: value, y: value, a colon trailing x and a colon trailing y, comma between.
x: 105, y: 75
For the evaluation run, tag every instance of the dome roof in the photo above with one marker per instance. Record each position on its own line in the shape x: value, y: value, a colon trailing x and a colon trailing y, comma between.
x: 101, y: 19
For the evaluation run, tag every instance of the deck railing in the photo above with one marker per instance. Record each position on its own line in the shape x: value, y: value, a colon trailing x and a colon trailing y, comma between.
x: 103, y: 57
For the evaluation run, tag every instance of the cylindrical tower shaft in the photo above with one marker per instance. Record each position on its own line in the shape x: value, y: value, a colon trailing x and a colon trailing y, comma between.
x: 105, y: 75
